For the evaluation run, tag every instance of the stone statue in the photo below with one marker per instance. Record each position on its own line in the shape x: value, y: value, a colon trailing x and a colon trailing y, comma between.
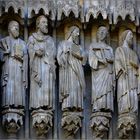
x: 14, y: 78
x: 101, y: 62
x: 126, y: 69
x: 42, y: 76
x: 72, y: 83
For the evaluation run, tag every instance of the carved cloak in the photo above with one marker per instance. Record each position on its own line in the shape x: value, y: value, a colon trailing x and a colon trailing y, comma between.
x: 126, y: 68
x: 102, y: 76
x: 71, y: 75
x: 42, y: 69
x: 14, y: 72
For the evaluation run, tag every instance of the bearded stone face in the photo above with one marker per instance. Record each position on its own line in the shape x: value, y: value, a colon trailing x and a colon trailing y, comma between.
x: 43, y: 25
x: 129, y: 38
x: 75, y: 35
x: 14, y: 29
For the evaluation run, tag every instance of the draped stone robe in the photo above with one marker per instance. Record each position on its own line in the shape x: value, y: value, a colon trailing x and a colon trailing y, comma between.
x: 102, y: 76
x: 42, y: 68
x: 14, y: 72
x: 71, y: 75
x: 126, y: 67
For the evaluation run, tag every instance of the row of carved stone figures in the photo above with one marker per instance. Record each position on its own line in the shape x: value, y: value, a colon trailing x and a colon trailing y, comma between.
x: 109, y: 72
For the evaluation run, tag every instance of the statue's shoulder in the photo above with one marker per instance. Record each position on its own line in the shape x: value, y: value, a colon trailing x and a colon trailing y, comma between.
x: 22, y: 41
x: 109, y: 47
x: 5, y: 39
x: 94, y: 45
x: 49, y: 38
x: 31, y: 39
x: 119, y: 50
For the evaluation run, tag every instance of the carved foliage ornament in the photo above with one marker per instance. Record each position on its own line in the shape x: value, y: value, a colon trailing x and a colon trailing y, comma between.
x: 12, y: 120
x: 100, y: 123
x: 127, y: 126
x: 42, y: 121
x: 71, y: 122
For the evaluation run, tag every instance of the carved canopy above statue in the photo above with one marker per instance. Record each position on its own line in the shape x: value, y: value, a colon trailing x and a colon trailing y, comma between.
x: 17, y: 5
x: 111, y: 10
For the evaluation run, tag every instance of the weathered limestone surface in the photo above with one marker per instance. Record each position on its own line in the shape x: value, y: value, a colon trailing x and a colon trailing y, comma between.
x: 126, y: 69
x: 72, y: 83
x: 70, y: 69
x: 101, y: 60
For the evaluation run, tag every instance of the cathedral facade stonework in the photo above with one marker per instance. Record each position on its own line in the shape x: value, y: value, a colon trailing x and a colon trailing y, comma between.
x: 69, y: 69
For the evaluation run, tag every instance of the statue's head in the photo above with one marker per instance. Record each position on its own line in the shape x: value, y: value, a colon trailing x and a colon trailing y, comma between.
x: 102, y: 33
x: 126, y: 36
x: 73, y: 32
x: 13, y: 29
x: 42, y: 24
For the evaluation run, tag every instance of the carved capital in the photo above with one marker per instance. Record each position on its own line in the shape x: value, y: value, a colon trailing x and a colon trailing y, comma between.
x: 127, y: 126
x: 100, y: 122
x: 12, y: 120
x: 71, y: 122
x: 42, y: 121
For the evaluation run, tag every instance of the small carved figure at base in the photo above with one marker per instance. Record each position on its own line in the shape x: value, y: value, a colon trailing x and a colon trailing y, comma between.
x: 12, y: 120
x: 126, y: 126
x: 42, y: 121
x: 71, y: 122
x: 100, y: 122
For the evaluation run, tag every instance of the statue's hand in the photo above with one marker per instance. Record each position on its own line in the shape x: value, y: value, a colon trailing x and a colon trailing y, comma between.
x: 109, y: 60
x: 125, y: 72
x: 103, y: 61
x: 38, y: 80
x: 40, y: 52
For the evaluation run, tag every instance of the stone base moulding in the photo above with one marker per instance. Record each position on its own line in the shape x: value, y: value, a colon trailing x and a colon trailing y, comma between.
x: 42, y: 121
x: 71, y: 122
x: 100, y: 123
x: 12, y: 120
x: 127, y: 125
